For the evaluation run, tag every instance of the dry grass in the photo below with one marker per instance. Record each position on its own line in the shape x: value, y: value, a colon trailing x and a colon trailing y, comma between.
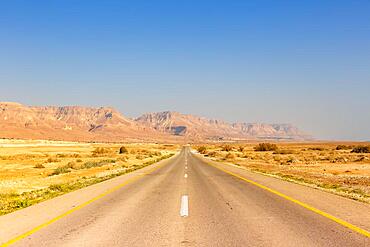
x: 32, y: 170
x: 329, y: 166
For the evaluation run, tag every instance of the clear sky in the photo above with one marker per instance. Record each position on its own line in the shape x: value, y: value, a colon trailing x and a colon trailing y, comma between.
x: 301, y: 62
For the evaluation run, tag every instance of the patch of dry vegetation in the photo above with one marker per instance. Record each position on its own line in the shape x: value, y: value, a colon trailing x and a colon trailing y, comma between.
x: 361, y: 149
x: 202, y: 149
x: 342, y: 168
x: 263, y: 147
x: 33, y: 173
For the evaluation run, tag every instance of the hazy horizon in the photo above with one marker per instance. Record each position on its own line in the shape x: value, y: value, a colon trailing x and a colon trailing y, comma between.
x: 305, y: 63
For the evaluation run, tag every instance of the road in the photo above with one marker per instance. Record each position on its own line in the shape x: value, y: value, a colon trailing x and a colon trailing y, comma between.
x: 187, y: 202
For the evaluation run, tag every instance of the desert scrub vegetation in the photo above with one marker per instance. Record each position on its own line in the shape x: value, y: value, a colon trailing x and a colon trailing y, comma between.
x: 87, y: 165
x: 10, y: 202
x: 202, y: 149
x: 27, y: 172
x: 230, y: 156
x: 316, y: 149
x: 61, y: 170
x: 100, y: 151
x: 227, y: 148
x: 361, y: 149
x: 284, y: 151
x: 344, y: 147
x: 52, y: 160
x: 123, y: 150
x: 150, y: 162
x: 263, y: 147
x: 211, y: 154
x: 321, y: 165
x: 39, y: 166
x: 99, y: 163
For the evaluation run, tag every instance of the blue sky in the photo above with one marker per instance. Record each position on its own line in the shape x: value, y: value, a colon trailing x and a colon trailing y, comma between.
x: 302, y: 62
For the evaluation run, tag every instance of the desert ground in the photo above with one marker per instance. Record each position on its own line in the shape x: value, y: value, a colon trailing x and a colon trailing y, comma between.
x: 33, y: 171
x: 329, y: 166
x: 187, y: 198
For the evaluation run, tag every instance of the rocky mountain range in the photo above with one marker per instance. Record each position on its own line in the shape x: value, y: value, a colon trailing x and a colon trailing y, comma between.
x: 77, y: 123
x: 202, y: 128
x: 72, y: 123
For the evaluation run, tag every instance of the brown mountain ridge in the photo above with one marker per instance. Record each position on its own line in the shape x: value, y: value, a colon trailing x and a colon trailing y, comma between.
x: 201, y: 128
x: 78, y: 123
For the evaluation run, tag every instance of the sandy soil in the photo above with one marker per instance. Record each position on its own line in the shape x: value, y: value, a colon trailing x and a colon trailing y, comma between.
x: 316, y: 164
x: 29, y: 165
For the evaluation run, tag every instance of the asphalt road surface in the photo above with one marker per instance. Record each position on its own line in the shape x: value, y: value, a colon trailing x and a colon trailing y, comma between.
x: 187, y: 202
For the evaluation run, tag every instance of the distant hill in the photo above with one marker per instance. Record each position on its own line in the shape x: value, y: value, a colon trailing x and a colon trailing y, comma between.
x: 77, y: 123
x: 74, y: 123
x: 202, y: 128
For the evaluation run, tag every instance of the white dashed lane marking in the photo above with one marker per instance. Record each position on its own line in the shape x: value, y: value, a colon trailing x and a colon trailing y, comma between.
x: 184, y: 210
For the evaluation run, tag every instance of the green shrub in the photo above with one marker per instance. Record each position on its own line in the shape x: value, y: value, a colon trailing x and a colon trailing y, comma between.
x: 361, y: 149
x: 22, y: 203
x: 262, y: 147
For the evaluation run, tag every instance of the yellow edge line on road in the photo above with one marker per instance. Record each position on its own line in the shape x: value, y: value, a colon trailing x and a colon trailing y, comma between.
x: 38, y: 228
x: 322, y: 213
